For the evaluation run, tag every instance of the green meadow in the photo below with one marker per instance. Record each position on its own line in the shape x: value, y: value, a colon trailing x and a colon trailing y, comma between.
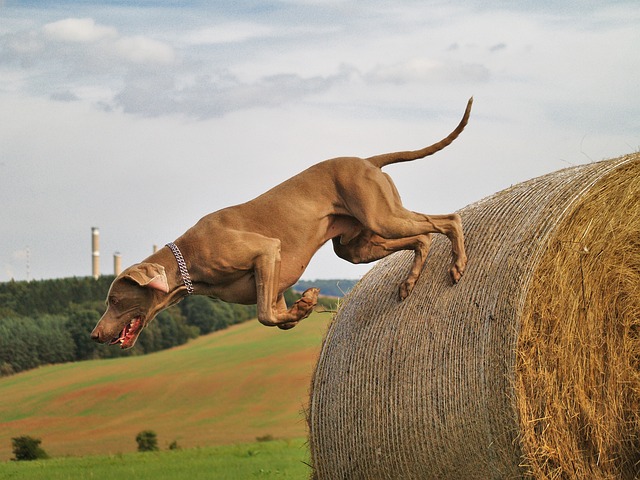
x: 223, y: 390
x: 277, y: 459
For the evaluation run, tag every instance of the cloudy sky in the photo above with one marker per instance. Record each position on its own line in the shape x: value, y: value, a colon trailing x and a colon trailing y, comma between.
x: 139, y: 117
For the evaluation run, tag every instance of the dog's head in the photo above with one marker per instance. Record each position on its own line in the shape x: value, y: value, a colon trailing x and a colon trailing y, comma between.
x: 136, y: 296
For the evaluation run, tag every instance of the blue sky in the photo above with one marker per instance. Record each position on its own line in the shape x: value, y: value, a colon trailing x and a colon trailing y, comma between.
x: 141, y: 117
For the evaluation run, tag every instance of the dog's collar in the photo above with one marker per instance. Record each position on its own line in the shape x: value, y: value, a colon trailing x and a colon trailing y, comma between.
x: 182, y: 266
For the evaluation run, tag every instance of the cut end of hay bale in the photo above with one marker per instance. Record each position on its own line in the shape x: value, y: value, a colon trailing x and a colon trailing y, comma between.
x: 578, y: 362
x: 529, y: 367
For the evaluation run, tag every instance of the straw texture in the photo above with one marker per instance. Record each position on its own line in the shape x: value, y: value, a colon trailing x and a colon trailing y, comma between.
x: 528, y: 367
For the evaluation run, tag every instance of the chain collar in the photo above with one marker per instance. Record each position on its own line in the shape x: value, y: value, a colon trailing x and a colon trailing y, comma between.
x: 182, y: 266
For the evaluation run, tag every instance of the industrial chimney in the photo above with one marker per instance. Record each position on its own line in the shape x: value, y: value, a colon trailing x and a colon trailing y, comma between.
x: 117, y: 264
x: 95, y: 252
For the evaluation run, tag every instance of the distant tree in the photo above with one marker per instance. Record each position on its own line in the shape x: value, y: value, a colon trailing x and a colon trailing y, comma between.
x: 174, y: 328
x: 18, y: 343
x: 28, y: 448
x: 147, y: 441
x: 201, y: 313
x: 80, y: 322
x: 51, y: 296
x: 242, y: 313
x: 6, y: 369
x: 28, y: 343
x: 290, y: 296
x: 331, y: 288
x: 53, y: 344
x: 150, y: 340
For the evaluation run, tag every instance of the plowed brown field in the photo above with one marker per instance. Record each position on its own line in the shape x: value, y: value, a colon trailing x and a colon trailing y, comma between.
x: 230, y: 386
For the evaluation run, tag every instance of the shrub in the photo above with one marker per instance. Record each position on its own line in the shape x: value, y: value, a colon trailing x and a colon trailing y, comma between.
x: 147, y: 441
x: 28, y: 448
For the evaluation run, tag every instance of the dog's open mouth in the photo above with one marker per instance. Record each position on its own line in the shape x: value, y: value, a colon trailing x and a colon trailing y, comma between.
x: 129, y: 334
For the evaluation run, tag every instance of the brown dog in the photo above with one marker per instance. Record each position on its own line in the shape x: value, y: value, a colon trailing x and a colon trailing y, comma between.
x: 251, y: 253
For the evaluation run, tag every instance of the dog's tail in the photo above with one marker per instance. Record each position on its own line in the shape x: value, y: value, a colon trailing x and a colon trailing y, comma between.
x: 396, y: 157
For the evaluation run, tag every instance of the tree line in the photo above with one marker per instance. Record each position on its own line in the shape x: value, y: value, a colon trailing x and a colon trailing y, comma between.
x: 49, y: 321
x: 330, y: 288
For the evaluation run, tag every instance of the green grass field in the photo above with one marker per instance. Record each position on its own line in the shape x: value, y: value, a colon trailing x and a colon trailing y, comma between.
x: 264, y: 460
x: 225, y: 388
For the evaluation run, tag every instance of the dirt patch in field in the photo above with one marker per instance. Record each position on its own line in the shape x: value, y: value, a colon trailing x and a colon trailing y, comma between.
x: 227, y: 387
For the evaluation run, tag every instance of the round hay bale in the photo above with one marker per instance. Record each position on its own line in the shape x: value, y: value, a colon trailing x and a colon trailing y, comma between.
x: 530, y: 366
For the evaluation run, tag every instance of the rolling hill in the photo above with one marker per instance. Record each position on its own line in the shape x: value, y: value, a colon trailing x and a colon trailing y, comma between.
x: 226, y: 387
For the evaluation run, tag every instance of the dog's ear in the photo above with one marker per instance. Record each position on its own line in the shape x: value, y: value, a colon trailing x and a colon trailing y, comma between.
x: 149, y: 275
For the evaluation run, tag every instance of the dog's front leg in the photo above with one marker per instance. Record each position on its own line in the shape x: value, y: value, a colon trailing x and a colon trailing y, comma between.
x: 301, y: 308
x: 272, y: 309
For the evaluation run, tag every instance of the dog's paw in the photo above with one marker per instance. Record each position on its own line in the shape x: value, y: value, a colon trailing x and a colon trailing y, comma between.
x: 405, y: 289
x: 457, y: 270
x: 311, y: 295
x: 287, y: 326
x: 303, y: 307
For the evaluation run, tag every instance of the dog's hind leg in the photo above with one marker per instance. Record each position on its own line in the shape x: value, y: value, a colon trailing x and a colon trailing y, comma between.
x: 406, y: 223
x: 375, y: 203
x: 401, y: 223
x: 369, y: 247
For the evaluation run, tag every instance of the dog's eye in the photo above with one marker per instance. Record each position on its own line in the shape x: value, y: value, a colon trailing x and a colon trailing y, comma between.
x: 113, y: 301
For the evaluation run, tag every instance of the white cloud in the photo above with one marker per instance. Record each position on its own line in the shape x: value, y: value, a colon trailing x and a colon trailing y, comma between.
x: 84, y: 47
x: 208, y: 96
x: 423, y: 70
x: 143, y: 50
x: 24, y: 44
x: 78, y: 30
x: 64, y: 96
x: 227, y: 33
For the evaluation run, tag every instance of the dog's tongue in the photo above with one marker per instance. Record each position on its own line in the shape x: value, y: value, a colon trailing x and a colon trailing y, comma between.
x: 128, y: 333
x: 122, y: 336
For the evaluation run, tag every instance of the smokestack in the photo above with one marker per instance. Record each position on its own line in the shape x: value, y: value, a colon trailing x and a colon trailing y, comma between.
x: 95, y: 252
x: 117, y: 264
x: 155, y: 248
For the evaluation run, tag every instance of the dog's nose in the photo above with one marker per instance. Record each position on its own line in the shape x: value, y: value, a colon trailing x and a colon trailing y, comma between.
x: 95, y: 335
